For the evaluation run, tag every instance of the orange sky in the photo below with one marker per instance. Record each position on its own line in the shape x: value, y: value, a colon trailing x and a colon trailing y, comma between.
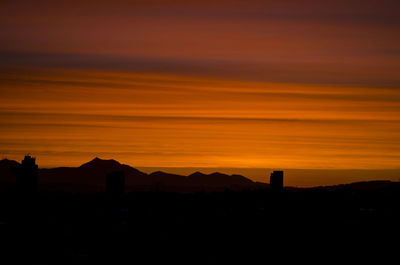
x: 253, y: 84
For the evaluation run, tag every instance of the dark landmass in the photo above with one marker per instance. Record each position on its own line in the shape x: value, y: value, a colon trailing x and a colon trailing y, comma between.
x: 232, y: 222
x: 90, y: 177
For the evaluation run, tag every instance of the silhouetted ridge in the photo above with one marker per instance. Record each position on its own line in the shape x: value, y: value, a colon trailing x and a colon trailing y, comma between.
x: 196, y: 175
x: 169, y: 181
x: 6, y: 163
x: 157, y: 173
x: 218, y: 180
x: 90, y: 176
x: 102, y: 163
x: 6, y: 170
x: 104, y: 166
x: 366, y: 185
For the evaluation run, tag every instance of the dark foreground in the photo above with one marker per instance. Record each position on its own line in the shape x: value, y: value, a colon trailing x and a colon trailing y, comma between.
x: 247, y: 227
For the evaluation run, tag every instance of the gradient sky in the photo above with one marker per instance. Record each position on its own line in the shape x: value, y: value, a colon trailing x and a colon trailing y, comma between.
x: 252, y: 84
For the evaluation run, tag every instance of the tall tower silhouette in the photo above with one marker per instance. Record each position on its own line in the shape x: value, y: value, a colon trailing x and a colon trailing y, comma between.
x: 276, y: 180
x: 27, y: 176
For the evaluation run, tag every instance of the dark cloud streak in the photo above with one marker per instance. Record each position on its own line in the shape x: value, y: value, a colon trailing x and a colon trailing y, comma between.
x: 295, y: 72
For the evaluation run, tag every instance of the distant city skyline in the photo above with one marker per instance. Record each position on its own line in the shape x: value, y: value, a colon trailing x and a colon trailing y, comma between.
x: 293, y: 177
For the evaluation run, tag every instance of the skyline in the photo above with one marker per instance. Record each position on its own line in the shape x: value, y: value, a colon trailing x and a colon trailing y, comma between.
x: 233, y: 84
x: 302, y: 178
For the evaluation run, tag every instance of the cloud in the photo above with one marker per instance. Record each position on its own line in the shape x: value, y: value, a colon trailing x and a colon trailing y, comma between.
x: 289, y: 72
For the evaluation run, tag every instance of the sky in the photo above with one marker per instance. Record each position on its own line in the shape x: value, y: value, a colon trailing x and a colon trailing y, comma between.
x: 202, y: 84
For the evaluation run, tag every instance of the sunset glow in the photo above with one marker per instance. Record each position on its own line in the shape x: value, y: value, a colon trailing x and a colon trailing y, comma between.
x: 238, y: 84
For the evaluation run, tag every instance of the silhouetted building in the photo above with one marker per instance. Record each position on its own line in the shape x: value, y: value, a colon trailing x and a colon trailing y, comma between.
x: 276, y: 180
x: 27, y: 175
x: 115, y: 184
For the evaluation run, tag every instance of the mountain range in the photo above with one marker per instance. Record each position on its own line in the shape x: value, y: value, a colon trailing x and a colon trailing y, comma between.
x: 91, y: 176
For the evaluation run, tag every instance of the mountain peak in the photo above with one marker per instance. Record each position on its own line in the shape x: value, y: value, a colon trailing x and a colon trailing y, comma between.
x: 98, y: 162
x: 196, y: 174
x: 7, y: 160
x: 6, y: 169
x: 157, y: 173
x: 217, y: 174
